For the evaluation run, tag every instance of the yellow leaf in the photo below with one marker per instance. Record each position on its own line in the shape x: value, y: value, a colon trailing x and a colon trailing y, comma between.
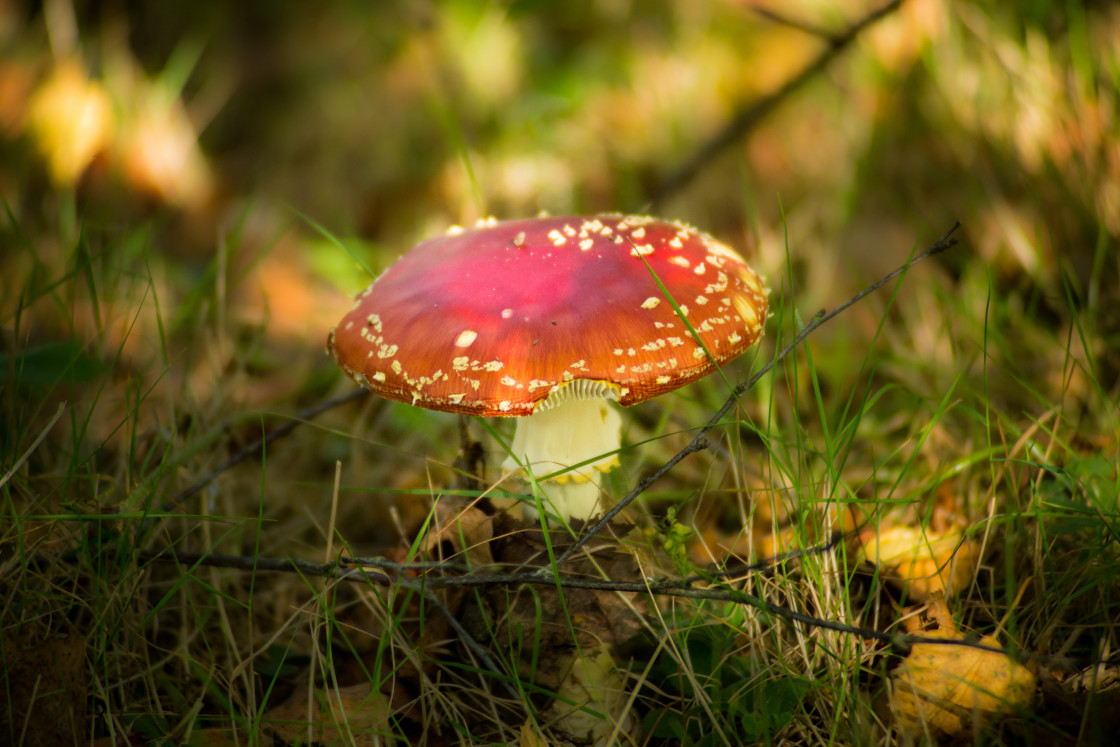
x: 595, y: 684
x: 529, y: 737
x: 944, y: 689
x: 71, y: 120
x: 921, y: 561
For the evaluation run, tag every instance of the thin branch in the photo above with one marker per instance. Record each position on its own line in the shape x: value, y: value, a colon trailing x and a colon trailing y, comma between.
x: 809, y: 28
x: 336, y: 572
x: 357, y: 569
x: 765, y: 563
x: 259, y: 564
x: 750, y: 115
x: 427, y: 585
x: 699, y: 441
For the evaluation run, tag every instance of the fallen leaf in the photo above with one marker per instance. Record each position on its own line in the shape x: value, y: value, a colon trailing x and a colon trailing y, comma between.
x: 529, y: 737
x: 1069, y: 704
x: 461, y: 535
x: 70, y: 118
x: 356, y: 715
x: 943, y: 690
x: 218, y: 737
x: 534, y: 626
x: 594, y: 683
x: 157, y: 143
x: 921, y: 562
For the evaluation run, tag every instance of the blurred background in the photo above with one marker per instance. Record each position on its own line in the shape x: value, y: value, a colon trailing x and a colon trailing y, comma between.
x: 193, y: 191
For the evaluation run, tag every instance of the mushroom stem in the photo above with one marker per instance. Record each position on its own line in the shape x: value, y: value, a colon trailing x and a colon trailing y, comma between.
x: 574, y: 500
x: 565, y: 433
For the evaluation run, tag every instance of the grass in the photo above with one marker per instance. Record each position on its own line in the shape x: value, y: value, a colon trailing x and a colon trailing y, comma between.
x: 143, y: 346
x: 185, y: 652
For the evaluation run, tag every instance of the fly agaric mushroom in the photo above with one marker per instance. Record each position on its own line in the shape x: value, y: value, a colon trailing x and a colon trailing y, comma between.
x: 550, y: 320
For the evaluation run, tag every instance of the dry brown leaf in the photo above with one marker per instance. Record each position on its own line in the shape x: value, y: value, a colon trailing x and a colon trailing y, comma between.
x: 532, y: 618
x: 356, y: 715
x: 220, y: 737
x: 1082, y: 702
x: 922, y: 562
x: 942, y: 690
x: 536, y: 617
x: 45, y: 536
x: 526, y: 619
x: 458, y: 532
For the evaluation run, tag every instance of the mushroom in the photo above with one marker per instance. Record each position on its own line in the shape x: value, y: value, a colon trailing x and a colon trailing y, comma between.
x: 550, y: 320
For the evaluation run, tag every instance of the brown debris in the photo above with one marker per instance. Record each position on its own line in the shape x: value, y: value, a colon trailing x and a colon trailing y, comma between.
x: 46, y: 688
x: 541, y: 627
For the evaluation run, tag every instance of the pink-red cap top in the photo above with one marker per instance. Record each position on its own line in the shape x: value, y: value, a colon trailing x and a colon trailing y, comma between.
x: 491, y: 320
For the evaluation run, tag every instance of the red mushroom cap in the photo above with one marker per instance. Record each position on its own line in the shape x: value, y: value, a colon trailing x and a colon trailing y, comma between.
x: 490, y: 321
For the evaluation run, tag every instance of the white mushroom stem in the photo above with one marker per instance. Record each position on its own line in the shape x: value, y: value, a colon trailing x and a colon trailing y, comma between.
x: 576, y: 424
x: 574, y: 500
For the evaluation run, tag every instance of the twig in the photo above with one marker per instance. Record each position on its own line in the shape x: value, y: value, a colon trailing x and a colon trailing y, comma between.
x: 750, y: 115
x: 427, y: 585
x: 765, y: 563
x: 358, y: 567
x: 258, y: 564
x: 809, y: 28
x: 334, y: 572
x: 700, y: 439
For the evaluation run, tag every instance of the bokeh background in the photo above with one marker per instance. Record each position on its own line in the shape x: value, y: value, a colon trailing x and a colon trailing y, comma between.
x: 193, y: 191
x: 189, y: 153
